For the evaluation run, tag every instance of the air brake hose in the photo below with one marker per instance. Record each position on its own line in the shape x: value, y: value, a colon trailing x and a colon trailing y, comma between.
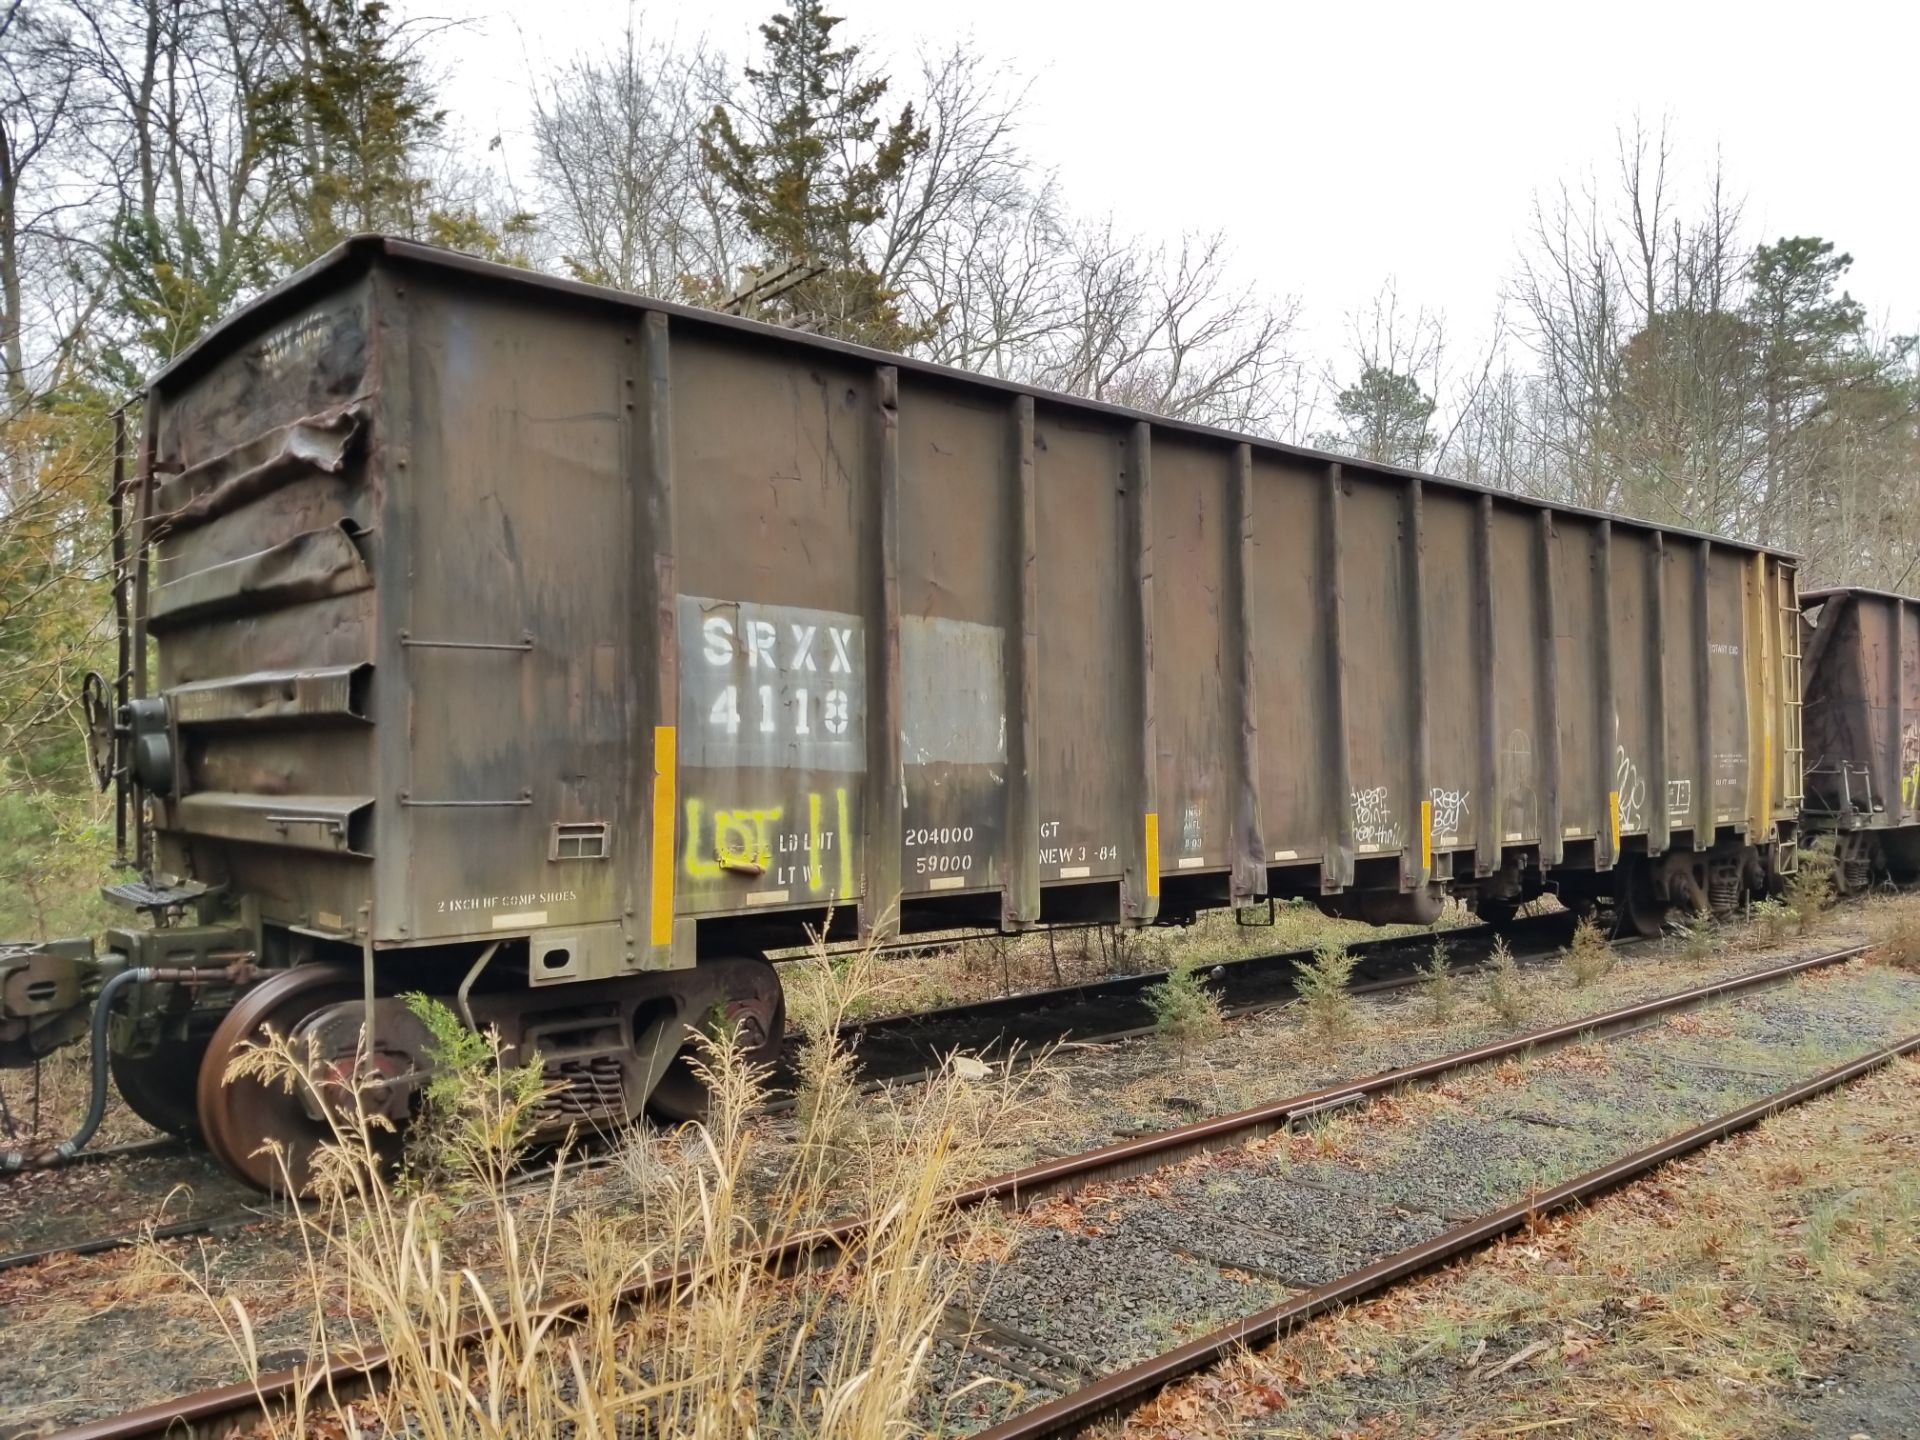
x: 97, y: 1103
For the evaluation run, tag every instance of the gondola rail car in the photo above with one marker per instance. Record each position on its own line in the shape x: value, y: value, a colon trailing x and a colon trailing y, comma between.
x: 559, y: 652
x: 1862, y: 708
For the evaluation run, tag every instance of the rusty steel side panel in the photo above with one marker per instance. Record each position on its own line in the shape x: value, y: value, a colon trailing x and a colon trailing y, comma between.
x: 1683, y: 599
x: 1861, y: 682
x: 1289, y: 585
x: 1840, y: 778
x: 1639, y: 747
x: 506, y: 709
x: 1196, y: 661
x: 1575, y: 622
x: 1522, y: 751
x: 958, y: 524
x: 1455, y: 692
x: 266, y: 508
x: 776, y: 488
x: 1379, y: 624
x: 1085, y: 787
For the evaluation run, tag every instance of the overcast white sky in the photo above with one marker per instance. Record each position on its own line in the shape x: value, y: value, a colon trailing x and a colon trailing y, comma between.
x: 1342, y: 143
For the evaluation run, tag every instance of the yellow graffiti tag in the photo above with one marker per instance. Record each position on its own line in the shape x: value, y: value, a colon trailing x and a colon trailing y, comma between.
x: 741, y: 840
x: 746, y: 841
x: 814, y: 878
x: 846, y: 850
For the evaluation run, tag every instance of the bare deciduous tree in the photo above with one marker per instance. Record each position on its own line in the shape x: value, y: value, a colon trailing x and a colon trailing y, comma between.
x: 627, y: 200
x: 1169, y: 331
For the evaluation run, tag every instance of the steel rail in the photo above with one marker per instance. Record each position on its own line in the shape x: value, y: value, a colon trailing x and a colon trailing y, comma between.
x: 1154, y: 1152
x: 228, y: 1409
x: 1123, y: 1389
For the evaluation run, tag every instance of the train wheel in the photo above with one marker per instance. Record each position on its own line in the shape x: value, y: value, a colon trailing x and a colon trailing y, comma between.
x: 244, y: 1119
x: 756, y: 1006
x: 162, y: 1088
x: 1637, y: 911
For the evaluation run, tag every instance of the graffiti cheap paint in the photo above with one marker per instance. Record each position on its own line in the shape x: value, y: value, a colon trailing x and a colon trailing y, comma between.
x: 1375, y: 827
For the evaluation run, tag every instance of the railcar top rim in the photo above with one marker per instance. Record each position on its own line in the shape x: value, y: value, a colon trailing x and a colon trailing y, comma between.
x: 360, y: 251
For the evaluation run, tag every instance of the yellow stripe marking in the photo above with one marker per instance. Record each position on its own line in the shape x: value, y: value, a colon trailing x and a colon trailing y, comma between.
x: 1426, y: 836
x: 1613, y: 813
x: 1153, y: 855
x: 846, y: 850
x: 665, y: 772
x: 816, y: 872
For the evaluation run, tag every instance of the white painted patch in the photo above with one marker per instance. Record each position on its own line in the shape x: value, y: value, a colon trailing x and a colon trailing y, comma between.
x: 947, y: 882
x: 1191, y: 862
x: 519, y: 919
x: 1513, y: 835
x: 1570, y: 832
x: 767, y: 897
x: 1075, y: 872
x: 1368, y: 849
x: 1286, y: 854
x: 952, y: 678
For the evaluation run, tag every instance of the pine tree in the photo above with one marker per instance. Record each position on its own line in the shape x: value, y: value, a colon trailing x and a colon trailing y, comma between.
x: 350, y: 122
x: 807, y: 163
x: 1807, y: 342
x: 1386, y: 417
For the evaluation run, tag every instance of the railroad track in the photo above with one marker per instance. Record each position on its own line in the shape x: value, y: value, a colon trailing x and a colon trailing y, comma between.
x: 225, y: 1410
x: 1117, y: 1392
x: 891, y: 1050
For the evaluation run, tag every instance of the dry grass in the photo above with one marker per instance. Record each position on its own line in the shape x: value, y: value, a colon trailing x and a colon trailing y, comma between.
x: 64, y: 1088
x: 723, y: 1350
x: 1897, y: 937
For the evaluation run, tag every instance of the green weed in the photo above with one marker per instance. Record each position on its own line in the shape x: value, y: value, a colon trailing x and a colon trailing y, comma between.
x: 1810, y: 889
x: 1588, y: 955
x: 1322, y: 983
x: 1506, y: 986
x: 1439, y: 984
x: 1774, y: 917
x: 1184, y: 1009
